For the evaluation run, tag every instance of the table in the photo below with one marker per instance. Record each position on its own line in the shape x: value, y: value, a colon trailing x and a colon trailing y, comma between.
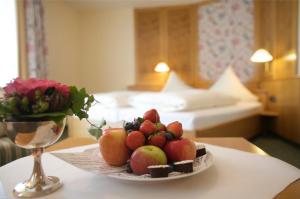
x: 292, y: 191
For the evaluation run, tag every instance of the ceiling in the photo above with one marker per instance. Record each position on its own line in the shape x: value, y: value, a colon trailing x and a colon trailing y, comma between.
x: 90, y: 4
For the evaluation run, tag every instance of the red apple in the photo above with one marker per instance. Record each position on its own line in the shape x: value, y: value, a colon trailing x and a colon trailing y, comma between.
x: 151, y: 115
x: 146, y: 156
x: 175, y: 128
x: 113, y: 146
x: 179, y: 150
x: 135, y: 139
x: 147, y: 128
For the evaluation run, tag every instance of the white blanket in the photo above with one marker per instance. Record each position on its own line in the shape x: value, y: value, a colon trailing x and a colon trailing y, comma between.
x: 114, y: 99
x: 184, y: 100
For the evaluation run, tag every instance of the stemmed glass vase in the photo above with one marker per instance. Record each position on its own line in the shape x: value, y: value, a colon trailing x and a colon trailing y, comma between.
x: 36, y: 136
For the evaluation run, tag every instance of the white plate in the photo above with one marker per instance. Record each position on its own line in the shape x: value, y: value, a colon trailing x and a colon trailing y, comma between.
x: 91, y: 160
x: 200, y: 165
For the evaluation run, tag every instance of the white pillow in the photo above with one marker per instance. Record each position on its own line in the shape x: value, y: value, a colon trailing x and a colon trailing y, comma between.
x: 230, y: 84
x: 174, y: 83
x: 181, y: 101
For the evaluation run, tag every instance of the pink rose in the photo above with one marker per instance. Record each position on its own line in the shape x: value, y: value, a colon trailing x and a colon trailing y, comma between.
x: 29, y: 86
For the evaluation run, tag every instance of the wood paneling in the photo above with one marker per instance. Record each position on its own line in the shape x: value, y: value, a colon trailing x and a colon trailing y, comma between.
x: 148, y: 32
x: 165, y: 34
x: 276, y: 25
x: 276, y: 30
x: 181, y: 41
x: 284, y: 97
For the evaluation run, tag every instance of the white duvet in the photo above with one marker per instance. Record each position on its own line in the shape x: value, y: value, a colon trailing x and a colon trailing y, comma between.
x: 114, y: 99
x: 181, y: 101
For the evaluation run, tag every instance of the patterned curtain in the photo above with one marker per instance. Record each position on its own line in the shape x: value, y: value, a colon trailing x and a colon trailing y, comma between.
x: 35, y: 39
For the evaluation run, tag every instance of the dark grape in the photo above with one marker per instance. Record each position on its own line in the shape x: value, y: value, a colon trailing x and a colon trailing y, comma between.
x: 128, y: 168
x: 136, y: 125
x: 169, y: 136
x: 128, y: 126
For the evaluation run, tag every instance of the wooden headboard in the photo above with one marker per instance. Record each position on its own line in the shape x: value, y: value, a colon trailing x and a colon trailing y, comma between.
x: 170, y: 34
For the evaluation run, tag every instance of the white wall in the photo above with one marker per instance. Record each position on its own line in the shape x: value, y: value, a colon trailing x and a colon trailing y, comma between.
x: 9, y: 42
x: 92, y: 48
x: 107, y: 49
x: 63, y: 36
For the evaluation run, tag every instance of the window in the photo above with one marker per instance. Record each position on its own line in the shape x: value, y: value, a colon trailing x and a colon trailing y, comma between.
x: 9, y: 68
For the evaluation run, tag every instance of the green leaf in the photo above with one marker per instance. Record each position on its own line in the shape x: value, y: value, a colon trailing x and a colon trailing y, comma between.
x: 43, y: 115
x: 96, y: 132
x: 80, y: 102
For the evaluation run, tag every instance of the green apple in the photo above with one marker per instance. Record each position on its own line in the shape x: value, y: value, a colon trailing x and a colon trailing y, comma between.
x: 145, y: 156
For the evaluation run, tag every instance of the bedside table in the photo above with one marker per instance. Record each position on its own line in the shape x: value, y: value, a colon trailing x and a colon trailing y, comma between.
x: 268, y: 119
x: 269, y: 114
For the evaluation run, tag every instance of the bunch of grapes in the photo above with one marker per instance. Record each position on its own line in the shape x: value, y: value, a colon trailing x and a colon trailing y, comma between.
x: 133, y: 126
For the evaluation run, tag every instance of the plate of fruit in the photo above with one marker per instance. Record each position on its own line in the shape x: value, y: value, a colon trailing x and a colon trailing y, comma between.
x: 146, y: 150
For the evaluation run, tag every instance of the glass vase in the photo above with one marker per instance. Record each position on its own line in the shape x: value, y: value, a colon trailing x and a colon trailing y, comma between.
x: 36, y: 136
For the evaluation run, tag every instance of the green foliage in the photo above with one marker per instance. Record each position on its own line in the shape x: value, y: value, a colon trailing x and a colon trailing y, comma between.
x: 55, y: 116
x: 96, y: 131
x: 80, y: 102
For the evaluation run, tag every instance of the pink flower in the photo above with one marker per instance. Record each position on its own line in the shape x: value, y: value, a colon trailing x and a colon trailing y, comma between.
x: 29, y: 86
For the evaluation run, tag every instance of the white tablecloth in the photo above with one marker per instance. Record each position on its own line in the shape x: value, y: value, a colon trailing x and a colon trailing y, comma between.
x: 235, y: 174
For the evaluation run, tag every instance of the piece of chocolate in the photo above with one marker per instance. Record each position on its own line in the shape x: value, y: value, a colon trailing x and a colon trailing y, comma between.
x: 185, y: 166
x: 200, y: 150
x: 159, y: 171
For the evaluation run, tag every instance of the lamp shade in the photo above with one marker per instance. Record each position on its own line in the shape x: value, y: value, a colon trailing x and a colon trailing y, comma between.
x: 261, y: 55
x: 161, y: 67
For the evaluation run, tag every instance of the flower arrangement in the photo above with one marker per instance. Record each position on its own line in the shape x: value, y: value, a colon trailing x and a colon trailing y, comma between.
x: 41, y: 100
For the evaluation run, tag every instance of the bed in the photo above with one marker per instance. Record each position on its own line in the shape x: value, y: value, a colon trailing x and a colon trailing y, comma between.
x: 235, y: 113
x: 197, y: 122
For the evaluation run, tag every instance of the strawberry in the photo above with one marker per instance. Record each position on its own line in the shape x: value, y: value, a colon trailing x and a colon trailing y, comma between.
x: 147, y: 128
x: 160, y: 127
x: 151, y: 115
x: 157, y: 139
x: 175, y: 128
x: 135, y: 139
